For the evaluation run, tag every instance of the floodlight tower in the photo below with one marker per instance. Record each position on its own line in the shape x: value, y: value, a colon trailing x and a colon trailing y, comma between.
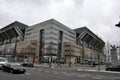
x: 118, y: 24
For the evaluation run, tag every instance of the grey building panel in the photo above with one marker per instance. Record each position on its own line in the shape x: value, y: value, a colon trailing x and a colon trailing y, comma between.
x: 87, y: 38
x: 15, y: 29
x: 51, y: 28
x: 85, y: 29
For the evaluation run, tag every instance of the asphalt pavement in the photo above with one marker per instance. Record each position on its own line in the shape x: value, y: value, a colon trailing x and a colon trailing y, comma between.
x: 46, y: 73
x: 73, y: 67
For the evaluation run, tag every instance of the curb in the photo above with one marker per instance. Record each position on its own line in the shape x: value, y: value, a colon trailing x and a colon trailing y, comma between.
x: 97, y: 71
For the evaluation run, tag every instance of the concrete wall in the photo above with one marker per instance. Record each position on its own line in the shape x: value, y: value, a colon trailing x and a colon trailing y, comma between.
x: 51, y: 28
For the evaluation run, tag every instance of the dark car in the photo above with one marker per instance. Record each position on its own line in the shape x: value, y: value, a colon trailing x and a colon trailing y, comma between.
x: 115, y: 67
x: 27, y: 64
x: 92, y: 63
x: 13, y: 68
x: 2, y: 61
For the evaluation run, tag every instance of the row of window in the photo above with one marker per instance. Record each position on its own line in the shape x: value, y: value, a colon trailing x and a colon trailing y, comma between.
x: 72, y: 45
x: 67, y: 32
x: 53, y: 33
x: 73, y: 51
x: 69, y: 39
x: 29, y: 29
x: 67, y: 29
x: 66, y: 36
x: 28, y: 33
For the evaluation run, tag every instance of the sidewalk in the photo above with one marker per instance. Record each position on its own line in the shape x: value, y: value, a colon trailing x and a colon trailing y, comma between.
x: 78, y: 67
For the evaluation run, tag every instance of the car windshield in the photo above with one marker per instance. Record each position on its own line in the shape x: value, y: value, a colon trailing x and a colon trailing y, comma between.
x: 3, y: 60
x: 115, y: 65
x: 16, y: 65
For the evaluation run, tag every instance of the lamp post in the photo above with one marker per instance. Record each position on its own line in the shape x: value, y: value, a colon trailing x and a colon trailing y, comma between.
x: 69, y: 55
x: 98, y: 60
x: 83, y: 53
x: 117, y: 25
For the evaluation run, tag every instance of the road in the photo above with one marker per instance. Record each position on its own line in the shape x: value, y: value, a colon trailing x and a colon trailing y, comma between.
x: 58, y: 74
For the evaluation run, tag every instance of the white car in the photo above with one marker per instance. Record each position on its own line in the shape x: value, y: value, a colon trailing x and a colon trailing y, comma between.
x: 2, y: 61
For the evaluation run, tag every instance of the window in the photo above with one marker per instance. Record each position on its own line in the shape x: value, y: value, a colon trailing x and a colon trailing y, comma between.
x: 42, y: 38
x: 77, y: 59
x: 28, y: 34
x: 60, y: 39
x: 30, y: 29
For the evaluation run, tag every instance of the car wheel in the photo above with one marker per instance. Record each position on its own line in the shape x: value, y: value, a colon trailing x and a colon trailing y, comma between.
x: 108, y: 69
x: 24, y: 72
x: 27, y: 65
x: 31, y: 65
x: 2, y: 69
x: 11, y: 71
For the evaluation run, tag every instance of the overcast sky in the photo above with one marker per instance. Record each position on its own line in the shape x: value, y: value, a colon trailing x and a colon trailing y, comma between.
x: 100, y: 16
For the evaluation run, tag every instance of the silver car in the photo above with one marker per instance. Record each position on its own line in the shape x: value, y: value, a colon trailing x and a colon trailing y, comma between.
x: 2, y: 61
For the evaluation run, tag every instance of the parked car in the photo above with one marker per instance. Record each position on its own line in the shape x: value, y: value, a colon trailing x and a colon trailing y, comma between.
x: 115, y: 67
x: 13, y: 68
x: 27, y: 64
x: 2, y: 61
x: 92, y: 63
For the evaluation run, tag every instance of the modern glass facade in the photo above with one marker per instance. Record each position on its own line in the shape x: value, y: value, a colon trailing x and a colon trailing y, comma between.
x: 42, y: 38
x: 60, y: 41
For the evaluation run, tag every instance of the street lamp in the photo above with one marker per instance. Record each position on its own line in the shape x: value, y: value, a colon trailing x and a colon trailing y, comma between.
x: 118, y: 25
x: 69, y: 55
x: 98, y: 55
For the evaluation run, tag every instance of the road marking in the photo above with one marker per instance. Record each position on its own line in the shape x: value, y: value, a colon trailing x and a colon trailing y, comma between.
x: 80, y: 76
x: 27, y: 73
x: 116, y: 79
x: 80, y: 69
x: 73, y: 73
x: 97, y: 77
x: 111, y: 78
x: 67, y: 74
x: 39, y: 70
x: 110, y: 71
x: 63, y: 72
x: 97, y: 70
x: 56, y: 72
x: 47, y: 71
x: 33, y: 69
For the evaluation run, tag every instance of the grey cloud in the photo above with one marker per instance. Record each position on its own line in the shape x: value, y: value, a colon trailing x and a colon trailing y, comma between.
x: 98, y: 15
x: 79, y: 2
x: 5, y: 19
x: 28, y: 2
